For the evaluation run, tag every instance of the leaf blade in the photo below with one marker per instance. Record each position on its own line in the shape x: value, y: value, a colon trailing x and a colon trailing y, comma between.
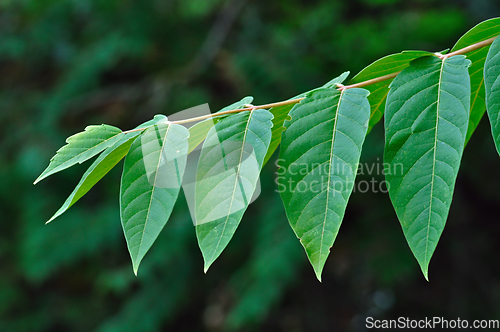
x: 426, y: 123
x: 150, y: 184
x: 102, y: 165
x: 492, y: 90
x: 327, y: 128
x: 198, y: 132
x: 106, y: 161
x: 225, y: 180
x: 81, y: 147
x: 478, y: 33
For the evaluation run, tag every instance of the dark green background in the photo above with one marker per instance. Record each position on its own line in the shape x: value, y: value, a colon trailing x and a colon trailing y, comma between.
x: 69, y: 63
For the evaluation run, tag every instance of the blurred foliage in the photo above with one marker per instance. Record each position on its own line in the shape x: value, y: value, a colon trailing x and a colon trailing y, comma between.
x: 65, y: 64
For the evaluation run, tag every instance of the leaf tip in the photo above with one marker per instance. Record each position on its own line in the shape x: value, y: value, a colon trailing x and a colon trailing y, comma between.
x: 206, y: 267
x: 38, y: 179
x: 426, y: 274
x: 57, y: 214
x: 425, y: 270
x: 46, y: 173
x: 318, y: 270
x: 135, y: 266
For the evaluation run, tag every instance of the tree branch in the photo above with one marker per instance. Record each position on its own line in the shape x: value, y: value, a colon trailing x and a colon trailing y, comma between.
x: 340, y: 87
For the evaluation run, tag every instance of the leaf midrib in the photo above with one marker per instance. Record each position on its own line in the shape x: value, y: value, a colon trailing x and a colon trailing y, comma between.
x: 335, y: 121
x: 52, y: 171
x: 235, y: 184
x: 78, y: 155
x: 153, y: 190
x: 434, y: 159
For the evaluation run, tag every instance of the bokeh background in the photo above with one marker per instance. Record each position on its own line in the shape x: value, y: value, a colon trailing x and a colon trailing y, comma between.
x: 68, y: 63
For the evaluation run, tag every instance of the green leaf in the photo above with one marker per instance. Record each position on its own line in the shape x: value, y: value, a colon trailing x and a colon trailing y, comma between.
x: 378, y: 91
x: 280, y: 114
x: 426, y: 120
x: 102, y: 165
x: 319, y: 156
x: 228, y: 170
x: 81, y: 147
x: 478, y: 108
x: 151, y: 180
x: 492, y: 83
x: 480, y: 32
x: 199, y: 131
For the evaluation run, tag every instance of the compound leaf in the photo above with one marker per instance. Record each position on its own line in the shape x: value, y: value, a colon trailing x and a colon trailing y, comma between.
x: 151, y: 180
x: 228, y: 170
x: 492, y: 83
x: 319, y: 155
x: 81, y: 147
x: 426, y: 120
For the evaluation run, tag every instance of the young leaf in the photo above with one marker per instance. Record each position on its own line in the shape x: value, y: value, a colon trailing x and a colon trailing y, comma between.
x: 378, y: 91
x: 319, y: 155
x: 81, y: 147
x: 492, y: 83
x: 480, y: 32
x: 151, y: 180
x: 426, y: 120
x: 280, y: 113
x: 228, y: 171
